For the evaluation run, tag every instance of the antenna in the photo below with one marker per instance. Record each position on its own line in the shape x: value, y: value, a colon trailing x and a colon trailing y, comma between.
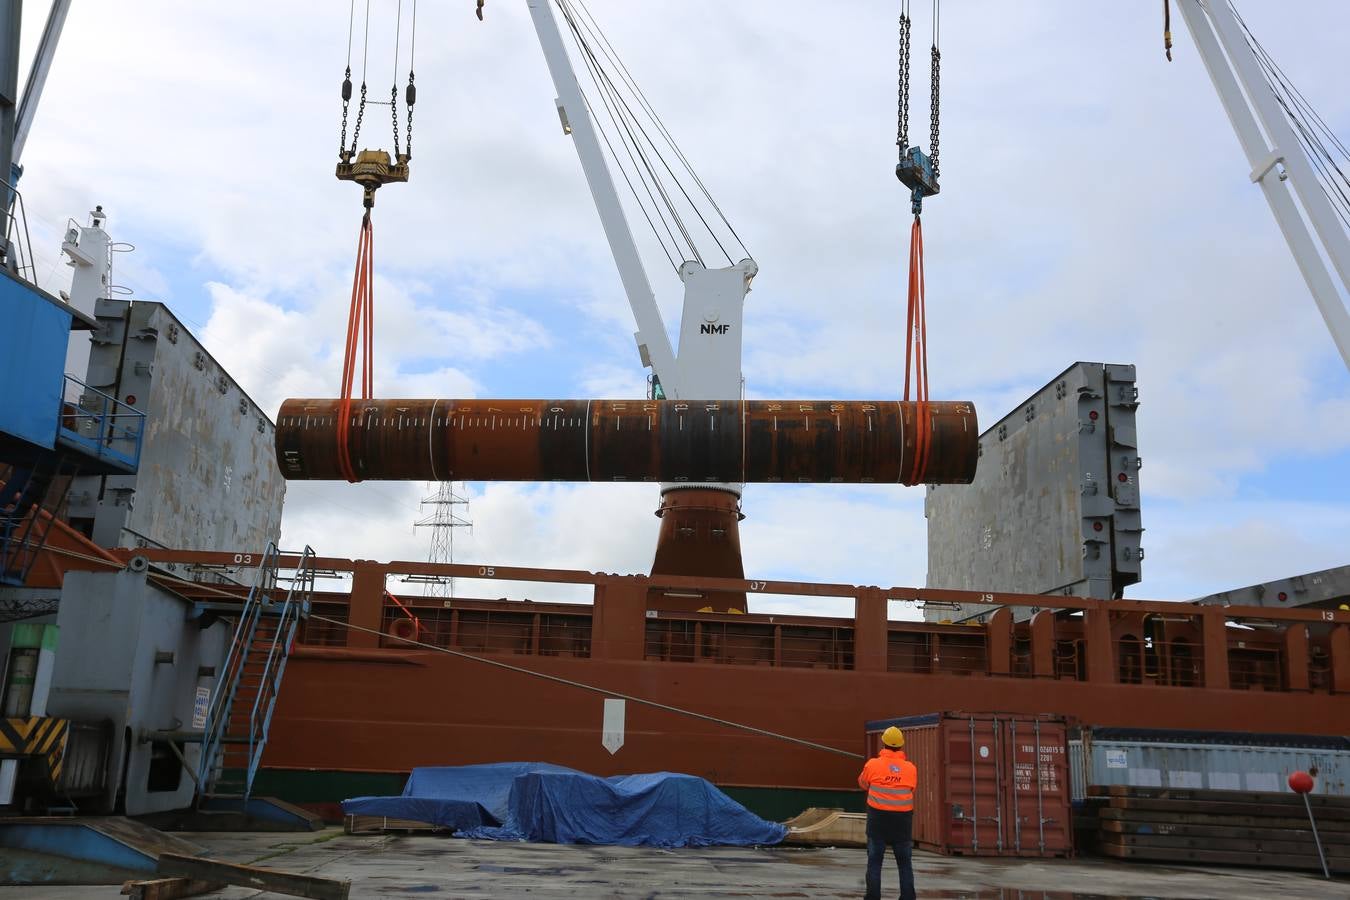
x: 442, y: 520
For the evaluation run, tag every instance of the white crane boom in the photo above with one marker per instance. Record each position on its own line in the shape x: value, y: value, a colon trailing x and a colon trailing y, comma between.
x: 708, y: 364
x: 1277, y: 160
x: 653, y: 343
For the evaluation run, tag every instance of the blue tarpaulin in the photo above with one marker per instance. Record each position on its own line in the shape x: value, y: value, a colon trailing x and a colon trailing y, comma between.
x: 546, y: 803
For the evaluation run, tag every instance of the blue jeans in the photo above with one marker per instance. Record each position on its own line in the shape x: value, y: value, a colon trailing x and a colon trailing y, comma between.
x: 892, y: 830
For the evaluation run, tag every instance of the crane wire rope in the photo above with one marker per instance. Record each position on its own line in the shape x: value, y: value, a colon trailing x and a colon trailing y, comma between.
x: 647, y: 215
x: 166, y: 579
x: 613, y: 55
x: 346, y: 87
x: 644, y: 171
x: 631, y: 121
x: 1307, y: 123
x: 614, y: 103
x: 647, y: 172
x: 581, y: 685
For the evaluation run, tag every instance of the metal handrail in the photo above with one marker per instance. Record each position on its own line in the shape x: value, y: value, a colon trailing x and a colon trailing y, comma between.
x: 292, y: 610
x: 218, y: 715
x: 16, y: 218
x: 101, y: 429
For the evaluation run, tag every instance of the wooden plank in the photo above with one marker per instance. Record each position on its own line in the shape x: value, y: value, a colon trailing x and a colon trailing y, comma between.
x: 383, y: 825
x: 828, y: 828
x: 1187, y: 829
x: 1262, y: 797
x: 1217, y: 857
x: 1151, y: 815
x: 308, y: 886
x: 1216, y: 808
x: 168, y: 888
x: 1292, y: 846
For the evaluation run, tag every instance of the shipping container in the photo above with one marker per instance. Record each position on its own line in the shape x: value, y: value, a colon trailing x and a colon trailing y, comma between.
x: 990, y: 784
x: 1207, y: 760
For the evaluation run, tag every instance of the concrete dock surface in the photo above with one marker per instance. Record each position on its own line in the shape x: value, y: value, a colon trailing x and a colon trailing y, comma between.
x: 432, y: 866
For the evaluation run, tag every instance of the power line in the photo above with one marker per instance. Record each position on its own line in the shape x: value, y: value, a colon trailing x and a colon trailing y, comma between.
x: 443, y: 520
x: 642, y: 701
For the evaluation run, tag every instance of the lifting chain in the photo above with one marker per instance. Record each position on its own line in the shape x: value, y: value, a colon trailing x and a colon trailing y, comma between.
x: 933, y: 124
x: 360, y: 114
x: 346, y: 99
x: 410, y: 97
x: 902, y: 103
x: 393, y: 112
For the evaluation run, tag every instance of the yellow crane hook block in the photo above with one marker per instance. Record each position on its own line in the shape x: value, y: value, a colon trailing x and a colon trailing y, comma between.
x: 373, y: 169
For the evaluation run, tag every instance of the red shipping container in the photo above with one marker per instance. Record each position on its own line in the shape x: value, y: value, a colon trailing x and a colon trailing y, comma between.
x: 990, y: 784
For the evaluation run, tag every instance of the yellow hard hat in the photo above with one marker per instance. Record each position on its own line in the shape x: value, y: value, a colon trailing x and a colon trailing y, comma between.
x: 893, y: 737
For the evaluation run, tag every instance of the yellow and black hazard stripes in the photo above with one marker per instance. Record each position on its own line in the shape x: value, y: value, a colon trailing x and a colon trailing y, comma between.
x: 36, y: 736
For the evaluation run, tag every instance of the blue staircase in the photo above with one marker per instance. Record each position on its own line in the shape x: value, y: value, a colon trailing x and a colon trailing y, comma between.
x: 240, y: 714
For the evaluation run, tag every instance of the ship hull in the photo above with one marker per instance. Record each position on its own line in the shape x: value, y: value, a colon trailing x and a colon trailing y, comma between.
x: 388, y: 711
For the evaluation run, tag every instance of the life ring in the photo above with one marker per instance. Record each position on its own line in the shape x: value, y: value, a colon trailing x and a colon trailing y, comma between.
x: 403, y: 628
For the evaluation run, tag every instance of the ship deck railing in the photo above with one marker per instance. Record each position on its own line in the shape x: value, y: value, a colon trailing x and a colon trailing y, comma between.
x: 1132, y: 643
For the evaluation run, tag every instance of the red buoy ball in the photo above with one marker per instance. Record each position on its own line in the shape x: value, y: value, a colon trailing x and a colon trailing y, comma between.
x: 1301, y: 783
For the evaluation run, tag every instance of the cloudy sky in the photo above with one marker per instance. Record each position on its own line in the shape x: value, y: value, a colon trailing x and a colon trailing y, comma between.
x: 1095, y: 206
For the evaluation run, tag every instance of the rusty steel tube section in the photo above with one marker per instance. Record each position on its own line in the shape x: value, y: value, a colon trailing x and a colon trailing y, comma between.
x: 750, y: 441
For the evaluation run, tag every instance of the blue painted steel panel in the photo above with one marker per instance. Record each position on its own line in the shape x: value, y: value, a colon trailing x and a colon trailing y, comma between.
x: 34, y: 334
x: 76, y: 841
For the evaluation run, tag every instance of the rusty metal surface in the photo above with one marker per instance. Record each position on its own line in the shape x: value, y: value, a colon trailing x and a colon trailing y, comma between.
x: 354, y: 702
x: 753, y: 441
x: 700, y: 535
x: 1055, y: 506
x: 207, y: 476
x: 990, y: 784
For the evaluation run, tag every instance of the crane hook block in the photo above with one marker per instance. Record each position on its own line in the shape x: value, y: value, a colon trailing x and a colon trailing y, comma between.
x: 373, y: 169
x: 915, y: 171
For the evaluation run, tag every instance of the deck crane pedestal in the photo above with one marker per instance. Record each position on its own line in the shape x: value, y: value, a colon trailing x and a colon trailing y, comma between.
x: 700, y: 529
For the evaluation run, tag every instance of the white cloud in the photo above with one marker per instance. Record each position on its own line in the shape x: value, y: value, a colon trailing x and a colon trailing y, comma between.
x: 1095, y: 206
x: 1231, y: 544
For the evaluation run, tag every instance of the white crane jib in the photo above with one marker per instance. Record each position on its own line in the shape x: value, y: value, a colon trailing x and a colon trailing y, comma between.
x: 708, y: 364
x: 1277, y: 159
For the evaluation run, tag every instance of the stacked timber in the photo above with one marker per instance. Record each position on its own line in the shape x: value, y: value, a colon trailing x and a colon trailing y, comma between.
x: 1239, y: 828
x: 822, y: 827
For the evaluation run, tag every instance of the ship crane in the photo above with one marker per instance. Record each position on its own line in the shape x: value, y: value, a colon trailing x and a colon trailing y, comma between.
x: 694, y: 434
x: 702, y: 469
x: 1277, y: 158
x: 711, y: 368
x: 707, y: 364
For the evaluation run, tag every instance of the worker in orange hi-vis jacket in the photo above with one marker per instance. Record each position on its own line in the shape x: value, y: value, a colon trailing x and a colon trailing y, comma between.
x: 890, y: 781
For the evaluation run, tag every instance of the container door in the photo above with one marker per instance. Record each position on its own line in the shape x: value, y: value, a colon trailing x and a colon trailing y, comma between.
x: 1037, y: 793
x: 973, y: 774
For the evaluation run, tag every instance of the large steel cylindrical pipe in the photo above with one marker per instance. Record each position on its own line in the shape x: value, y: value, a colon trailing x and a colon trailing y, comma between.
x: 751, y: 441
